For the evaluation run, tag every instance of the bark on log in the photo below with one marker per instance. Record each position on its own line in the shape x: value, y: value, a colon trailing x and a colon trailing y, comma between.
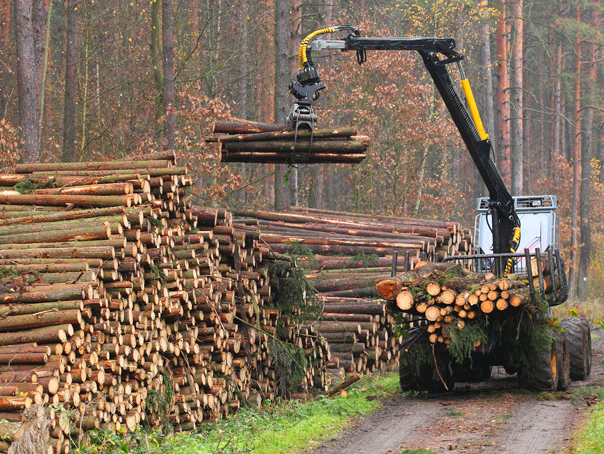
x: 48, y: 334
x: 247, y: 127
x: 43, y: 293
x: 104, y: 166
x: 298, y: 157
x: 301, y: 147
x: 38, y: 320
x: 287, y: 135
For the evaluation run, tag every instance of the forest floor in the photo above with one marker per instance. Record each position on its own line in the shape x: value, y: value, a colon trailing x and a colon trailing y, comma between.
x: 495, y: 416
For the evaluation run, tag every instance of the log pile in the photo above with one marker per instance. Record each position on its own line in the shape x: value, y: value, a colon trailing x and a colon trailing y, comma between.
x: 121, y: 303
x: 345, y: 254
x: 269, y: 143
x: 448, y: 298
x: 359, y: 332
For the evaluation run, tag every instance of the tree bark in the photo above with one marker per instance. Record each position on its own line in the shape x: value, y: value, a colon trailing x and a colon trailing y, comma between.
x: 4, y: 51
x: 301, y: 147
x: 516, y: 101
x: 169, y: 94
x: 574, y: 240
x: 155, y: 62
x: 45, y: 335
x: 28, y: 85
x: 290, y: 135
x: 588, y: 153
x: 240, y: 126
x: 242, y: 84
x: 329, y: 158
x: 281, y: 100
x: 503, y: 106
x: 488, y: 66
x: 71, y: 80
x: 555, y: 120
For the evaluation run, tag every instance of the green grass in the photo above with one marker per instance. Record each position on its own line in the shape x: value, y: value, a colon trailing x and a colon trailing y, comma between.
x: 416, y: 451
x: 455, y: 414
x: 282, y: 427
x: 590, y: 438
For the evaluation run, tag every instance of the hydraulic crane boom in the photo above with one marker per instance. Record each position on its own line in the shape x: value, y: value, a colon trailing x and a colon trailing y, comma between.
x: 306, y: 87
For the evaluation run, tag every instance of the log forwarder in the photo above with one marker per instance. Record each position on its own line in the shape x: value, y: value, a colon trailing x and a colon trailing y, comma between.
x: 500, y: 220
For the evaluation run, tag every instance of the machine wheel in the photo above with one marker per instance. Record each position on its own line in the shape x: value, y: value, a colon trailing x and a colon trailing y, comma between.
x: 563, y: 361
x: 578, y: 336
x: 410, y: 380
x: 472, y: 374
x: 543, y: 375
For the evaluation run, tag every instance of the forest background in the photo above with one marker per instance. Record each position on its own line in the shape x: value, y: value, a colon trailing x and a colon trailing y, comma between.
x: 99, y: 79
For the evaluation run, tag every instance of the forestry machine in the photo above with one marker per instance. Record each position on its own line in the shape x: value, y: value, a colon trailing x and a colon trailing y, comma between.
x: 500, y: 216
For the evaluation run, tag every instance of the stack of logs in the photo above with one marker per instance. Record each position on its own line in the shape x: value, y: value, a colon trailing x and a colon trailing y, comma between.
x: 446, y: 297
x: 346, y: 254
x: 121, y: 303
x: 273, y: 143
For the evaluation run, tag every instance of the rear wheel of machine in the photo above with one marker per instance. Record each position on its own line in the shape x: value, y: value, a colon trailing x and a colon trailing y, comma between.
x: 543, y: 374
x: 578, y: 336
x: 563, y: 361
x: 423, y: 380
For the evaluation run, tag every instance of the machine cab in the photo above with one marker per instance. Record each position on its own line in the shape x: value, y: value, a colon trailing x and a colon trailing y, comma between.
x: 539, y: 226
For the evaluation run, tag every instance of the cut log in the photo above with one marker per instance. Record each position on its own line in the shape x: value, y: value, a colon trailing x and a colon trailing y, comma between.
x: 247, y: 127
x: 48, y: 334
x: 433, y: 289
x: 518, y: 299
x: 432, y: 313
x: 487, y: 306
x: 502, y: 304
x: 405, y: 300
x: 288, y: 135
x: 448, y: 297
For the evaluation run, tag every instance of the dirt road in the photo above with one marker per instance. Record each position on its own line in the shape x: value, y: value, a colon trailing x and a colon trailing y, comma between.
x: 491, y: 417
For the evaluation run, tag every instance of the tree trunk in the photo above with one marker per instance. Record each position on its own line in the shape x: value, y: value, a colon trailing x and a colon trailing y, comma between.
x: 516, y: 101
x: 503, y: 107
x: 71, y: 80
x: 281, y: 100
x: 242, y: 84
x: 588, y: 153
x: 155, y: 58
x: 488, y: 65
x: 4, y: 51
x: 574, y: 240
x: 169, y: 94
x: 28, y: 86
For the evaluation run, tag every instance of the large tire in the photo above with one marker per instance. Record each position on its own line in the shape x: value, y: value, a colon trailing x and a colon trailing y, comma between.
x: 543, y: 374
x: 578, y: 336
x: 409, y: 377
x: 563, y: 361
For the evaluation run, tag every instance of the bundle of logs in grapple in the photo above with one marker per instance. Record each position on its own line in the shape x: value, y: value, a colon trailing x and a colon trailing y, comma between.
x: 275, y: 143
x: 119, y: 302
x: 344, y: 255
x: 446, y: 297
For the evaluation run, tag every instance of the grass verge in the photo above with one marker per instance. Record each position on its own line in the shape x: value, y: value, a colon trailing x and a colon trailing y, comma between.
x: 590, y: 438
x: 281, y: 427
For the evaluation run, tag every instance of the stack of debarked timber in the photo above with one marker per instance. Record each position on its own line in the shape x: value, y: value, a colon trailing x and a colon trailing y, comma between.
x: 345, y: 255
x: 119, y: 302
x: 244, y: 141
x: 447, y: 298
